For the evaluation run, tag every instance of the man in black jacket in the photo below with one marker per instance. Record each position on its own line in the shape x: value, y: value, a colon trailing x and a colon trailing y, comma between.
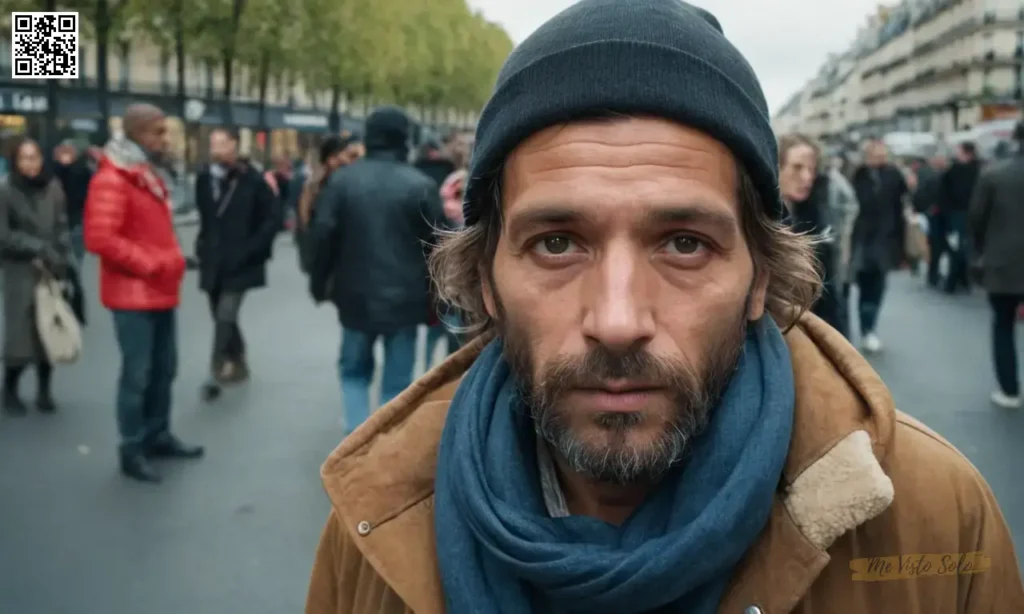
x: 877, y: 242
x: 239, y: 217
x: 372, y: 225
x: 957, y: 186
x: 74, y: 169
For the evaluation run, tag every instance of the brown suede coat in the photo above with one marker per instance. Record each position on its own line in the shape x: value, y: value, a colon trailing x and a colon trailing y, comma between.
x: 861, y: 480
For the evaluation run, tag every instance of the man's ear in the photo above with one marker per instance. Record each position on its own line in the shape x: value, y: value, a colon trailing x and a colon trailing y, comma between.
x: 758, y: 297
x: 487, y: 292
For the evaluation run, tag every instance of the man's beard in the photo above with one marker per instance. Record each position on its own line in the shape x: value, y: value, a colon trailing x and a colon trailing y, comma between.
x: 693, y: 392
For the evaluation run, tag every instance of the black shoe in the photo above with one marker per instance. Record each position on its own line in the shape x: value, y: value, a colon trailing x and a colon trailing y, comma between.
x: 169, y: 446
x: 46, y: 404
x: 136, y: 467
x: 12, y: 404
x: 210, y: 392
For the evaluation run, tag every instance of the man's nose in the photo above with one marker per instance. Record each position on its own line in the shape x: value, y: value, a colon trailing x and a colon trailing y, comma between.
x: 618, y: 313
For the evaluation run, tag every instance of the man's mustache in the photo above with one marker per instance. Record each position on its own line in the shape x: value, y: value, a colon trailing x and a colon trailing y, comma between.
x: 600, y: 364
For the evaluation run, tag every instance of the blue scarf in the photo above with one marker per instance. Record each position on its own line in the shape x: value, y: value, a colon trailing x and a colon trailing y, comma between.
x: 500, y: 552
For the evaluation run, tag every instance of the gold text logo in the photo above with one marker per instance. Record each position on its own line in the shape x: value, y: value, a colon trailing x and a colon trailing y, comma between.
x: 908, y: 566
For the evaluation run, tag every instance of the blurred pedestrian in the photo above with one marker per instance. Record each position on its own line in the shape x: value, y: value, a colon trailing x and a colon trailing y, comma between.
x: 805, y: 188
x: 239, y: 218
x: 433, y: 162
x: 371, y: 226
x: 129, y: 225
x: 335, y: 152
x: 877, y: 240
x: 74, y: 169
x: 996, y: 226
x: 33, y: 233
x: 926, y: 201
x: 958, y: 183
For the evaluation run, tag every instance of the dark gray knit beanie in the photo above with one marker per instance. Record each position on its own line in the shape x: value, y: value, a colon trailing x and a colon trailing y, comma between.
x: 664, y: 58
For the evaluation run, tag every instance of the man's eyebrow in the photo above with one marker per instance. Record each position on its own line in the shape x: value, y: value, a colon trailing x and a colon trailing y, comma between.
x: 698, y: 213
x: 692, y: 214
x: 543, y: 215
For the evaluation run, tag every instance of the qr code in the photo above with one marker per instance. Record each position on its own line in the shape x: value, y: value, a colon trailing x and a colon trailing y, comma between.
x: 44, y: 45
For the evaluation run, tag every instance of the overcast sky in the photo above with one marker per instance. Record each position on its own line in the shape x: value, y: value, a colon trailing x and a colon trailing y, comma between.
x: 785, y: 43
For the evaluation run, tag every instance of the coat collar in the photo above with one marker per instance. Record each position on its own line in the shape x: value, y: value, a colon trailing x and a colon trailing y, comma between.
x: 832, y: 483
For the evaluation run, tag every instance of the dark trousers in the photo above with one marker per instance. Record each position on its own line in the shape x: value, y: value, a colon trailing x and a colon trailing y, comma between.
x: 938, y: 244
x: 149, y: 362
x: 829, y: 307
x: 958, y: 257
x: 1004, y: 345
x: 228, y: 342
x: 871, y: 284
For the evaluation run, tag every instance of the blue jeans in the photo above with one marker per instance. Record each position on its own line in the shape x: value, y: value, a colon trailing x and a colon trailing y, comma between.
x: 149, y: 362
x: 355, y: 366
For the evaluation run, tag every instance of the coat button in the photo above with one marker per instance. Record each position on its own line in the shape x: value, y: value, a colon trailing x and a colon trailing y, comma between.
x: 363, y: 528
x: 753, y: 609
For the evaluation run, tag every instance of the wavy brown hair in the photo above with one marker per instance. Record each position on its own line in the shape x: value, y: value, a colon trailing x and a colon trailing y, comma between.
x: 463, y: 256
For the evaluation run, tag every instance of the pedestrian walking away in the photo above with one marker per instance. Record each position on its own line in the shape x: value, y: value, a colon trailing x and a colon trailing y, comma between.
x: 648, y: 418
x: 239, y: 217
x: 996, y: 217
x: 335, y: 152
x: 34, y: 239
x: 958, y: 183
x: 877, y: 241
x: 371, y: 227
x: 128, y: 224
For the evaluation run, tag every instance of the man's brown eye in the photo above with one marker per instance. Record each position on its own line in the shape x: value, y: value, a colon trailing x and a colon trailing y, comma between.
x: 556, y: 245
x: 686, y: 245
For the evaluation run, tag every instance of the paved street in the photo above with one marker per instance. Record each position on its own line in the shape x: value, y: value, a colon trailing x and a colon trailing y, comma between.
x: 235, y: 532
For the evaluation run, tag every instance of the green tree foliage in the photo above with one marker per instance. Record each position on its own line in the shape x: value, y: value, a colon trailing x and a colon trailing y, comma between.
x: 268, y: 38
x: 433, y: 54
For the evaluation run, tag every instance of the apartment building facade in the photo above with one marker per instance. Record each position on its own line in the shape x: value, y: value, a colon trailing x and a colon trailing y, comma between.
x: 936, y: 66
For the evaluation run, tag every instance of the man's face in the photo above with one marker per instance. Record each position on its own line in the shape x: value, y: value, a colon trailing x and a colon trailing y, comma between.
x: 65, y: 154
x: 223, y: 148
x: 622, y: 288
x: 153, y: 136
x: 876, y: 154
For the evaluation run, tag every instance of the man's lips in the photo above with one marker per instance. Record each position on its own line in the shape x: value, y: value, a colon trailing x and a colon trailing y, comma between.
x: 626, y: 397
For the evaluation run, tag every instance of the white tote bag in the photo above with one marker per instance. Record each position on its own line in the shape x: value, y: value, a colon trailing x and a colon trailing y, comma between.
x: 59, y: 330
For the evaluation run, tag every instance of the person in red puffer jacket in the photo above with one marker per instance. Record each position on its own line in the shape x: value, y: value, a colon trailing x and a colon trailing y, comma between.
x: 128, y: 223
